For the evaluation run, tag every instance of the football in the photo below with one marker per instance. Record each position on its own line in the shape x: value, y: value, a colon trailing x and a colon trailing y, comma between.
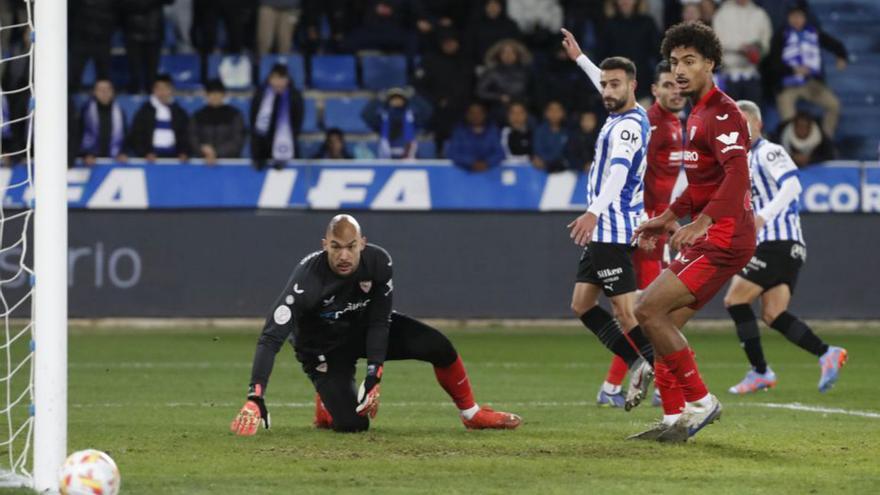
x: 89, y: 472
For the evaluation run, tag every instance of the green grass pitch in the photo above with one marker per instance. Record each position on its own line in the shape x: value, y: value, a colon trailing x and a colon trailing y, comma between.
x: 160, y: 403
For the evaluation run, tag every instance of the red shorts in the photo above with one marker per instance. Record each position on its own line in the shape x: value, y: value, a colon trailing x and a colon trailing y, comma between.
x: 705, y: 268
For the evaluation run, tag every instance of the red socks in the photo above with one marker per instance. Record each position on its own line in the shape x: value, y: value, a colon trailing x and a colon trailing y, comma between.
x: 670, y: 393
x: 454, y: 381
x: 617, y: 371
x: 684, y: 369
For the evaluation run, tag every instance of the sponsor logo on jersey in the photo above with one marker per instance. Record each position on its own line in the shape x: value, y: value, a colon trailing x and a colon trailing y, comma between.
x: 297, y: 290
x: 722, y: 117
x: 730, y: 140
x: 366, y: 285
x: 335, y: 315
x: 690, y: 156
x: 632, y: 137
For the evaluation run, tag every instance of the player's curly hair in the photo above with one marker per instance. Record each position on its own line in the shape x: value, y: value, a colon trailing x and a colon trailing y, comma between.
x: 694, y: 35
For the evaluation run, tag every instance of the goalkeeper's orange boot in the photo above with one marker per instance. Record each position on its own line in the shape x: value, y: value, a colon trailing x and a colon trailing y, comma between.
x: 323, y: 420
x: 486, y: 418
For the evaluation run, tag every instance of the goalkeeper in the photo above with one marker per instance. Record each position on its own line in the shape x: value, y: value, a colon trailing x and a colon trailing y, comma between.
x: 337, y: 305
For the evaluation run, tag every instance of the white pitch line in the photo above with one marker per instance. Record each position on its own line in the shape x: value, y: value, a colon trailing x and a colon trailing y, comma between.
x: 797, y: 406
x: 794, y: 406
x: 474, y: 364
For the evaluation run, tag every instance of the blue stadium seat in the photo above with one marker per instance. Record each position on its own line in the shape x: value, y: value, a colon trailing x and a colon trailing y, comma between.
x: 308, y: 147
x: 214, y: 62
x: 130, y: 105
x: 120, y: 73
x: 88, y: 75
x: 345, y: 113
x: 243, y: 104
x: 191, y: 104
x: 310, y: 116
x: 334, y: 72
x: 383, y: 71
x: 295, y: 67
x: 183, y: 69
x: 427, y: 149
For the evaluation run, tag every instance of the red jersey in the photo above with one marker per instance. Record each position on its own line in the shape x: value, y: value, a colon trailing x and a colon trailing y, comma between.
x: 717, y: 167
x: 664, y: 158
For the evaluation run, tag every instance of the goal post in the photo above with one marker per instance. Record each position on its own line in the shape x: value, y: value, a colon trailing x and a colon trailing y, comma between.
x: 49, y: 74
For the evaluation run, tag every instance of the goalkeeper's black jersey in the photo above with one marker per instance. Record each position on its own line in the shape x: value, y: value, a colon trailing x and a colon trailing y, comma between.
x: 324, y: 310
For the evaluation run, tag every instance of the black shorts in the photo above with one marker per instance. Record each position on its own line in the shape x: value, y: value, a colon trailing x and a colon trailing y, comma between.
x: 775, y: 263
x: 609, y: 266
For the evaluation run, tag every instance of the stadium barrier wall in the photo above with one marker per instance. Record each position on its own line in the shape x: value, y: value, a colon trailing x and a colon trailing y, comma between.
x: 192, y: 263
x: 842, y: 187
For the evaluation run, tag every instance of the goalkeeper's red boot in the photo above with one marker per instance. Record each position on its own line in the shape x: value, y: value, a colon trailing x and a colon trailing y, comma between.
x: 323, y: 420
x: 486, y: 418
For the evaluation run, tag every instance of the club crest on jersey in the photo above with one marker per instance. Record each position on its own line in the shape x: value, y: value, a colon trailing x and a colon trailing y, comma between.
x: 366, y: 285
x: 282, y: 315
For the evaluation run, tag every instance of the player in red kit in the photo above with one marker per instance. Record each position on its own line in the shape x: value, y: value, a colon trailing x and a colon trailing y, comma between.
x: 720, y: 239
x: 664, y: 164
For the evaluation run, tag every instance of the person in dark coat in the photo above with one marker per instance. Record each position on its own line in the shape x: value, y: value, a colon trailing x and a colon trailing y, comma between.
x: 89, y: 39
x: 398, y: 121
x: 276, y: 119
x: 217, y: 130
x: 333, y: 147
x: 634, y: 36
x: 446, y: 80
x: 161, y: 127
x: 488, y: 26
x: 508, y: 76
x: 102, y: 126
x: 475, y: 145
x: 581, y: 146
x: 144, y: 30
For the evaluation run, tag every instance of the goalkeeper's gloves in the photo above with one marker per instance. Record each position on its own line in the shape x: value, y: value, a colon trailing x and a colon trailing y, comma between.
x: 252, y: 413
x: 368, y: 394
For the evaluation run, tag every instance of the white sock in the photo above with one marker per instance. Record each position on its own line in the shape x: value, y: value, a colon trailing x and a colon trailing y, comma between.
x: 471, y: 412
x: 610, y: 388
x: 670, y: 419
x: 704, y: 402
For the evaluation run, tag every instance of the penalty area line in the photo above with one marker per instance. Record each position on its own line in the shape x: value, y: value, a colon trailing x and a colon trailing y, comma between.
x: 797, y: 406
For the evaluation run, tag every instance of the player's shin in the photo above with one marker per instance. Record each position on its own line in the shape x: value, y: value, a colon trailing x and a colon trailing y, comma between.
x: 455, y: 382
x: 799, y: 333
x: 749, y: 335
x: 683, y: 367
x: 671, y: 394
x: 607, y: 329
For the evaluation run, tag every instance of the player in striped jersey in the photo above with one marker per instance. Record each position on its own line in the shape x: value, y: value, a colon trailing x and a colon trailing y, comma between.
x: 773, y: 270
x: 614, y: 195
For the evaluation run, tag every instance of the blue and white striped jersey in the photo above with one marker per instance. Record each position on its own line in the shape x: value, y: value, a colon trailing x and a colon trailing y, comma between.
x: 623, y: 141
x: 770, y: 167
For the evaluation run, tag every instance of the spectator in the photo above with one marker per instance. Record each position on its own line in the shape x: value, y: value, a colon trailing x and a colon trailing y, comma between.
x: 233, y: 13
x: 181, y: 13
x: 508, y: 76
x: 397, y: 121
x: 446, y: 80
x: 476, y: 144
x: 551, y: 138
x: 333, y: 147
x: 634, y: 36
x: 434, y: 15
x: 89, y: 40
x: 707, y: 11
x: 276, y: 119
x: 581, y: 146
x: 386, y: 26
x: 487, y: 28
x: 516, y: 137
x: 217, y: 130
x: 143, y: 26
x: 339, y: 16
x: 562, y: 80
x: 161, y: 127
x: 797, y: 53
x: 691, y: 12
x: 539, y: 20
x: 804, y: 140
x: 276, y: 22
x: 744, y: 31
x: 102, y: 125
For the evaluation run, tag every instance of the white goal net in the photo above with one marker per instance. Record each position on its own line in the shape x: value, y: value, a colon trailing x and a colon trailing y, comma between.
x: 33, y: 338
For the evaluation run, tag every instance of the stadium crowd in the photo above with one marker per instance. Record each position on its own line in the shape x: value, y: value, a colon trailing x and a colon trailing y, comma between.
x: 486, y: 81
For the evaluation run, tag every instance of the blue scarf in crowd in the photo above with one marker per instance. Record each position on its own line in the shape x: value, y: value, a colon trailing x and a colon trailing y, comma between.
x: 397, y: 131
x: 164, y: 140
x: 801, y: 48
x: 282, y: 141
x: 92, y: 129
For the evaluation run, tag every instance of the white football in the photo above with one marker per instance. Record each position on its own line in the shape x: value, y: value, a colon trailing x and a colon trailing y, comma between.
x: 89, y: 472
